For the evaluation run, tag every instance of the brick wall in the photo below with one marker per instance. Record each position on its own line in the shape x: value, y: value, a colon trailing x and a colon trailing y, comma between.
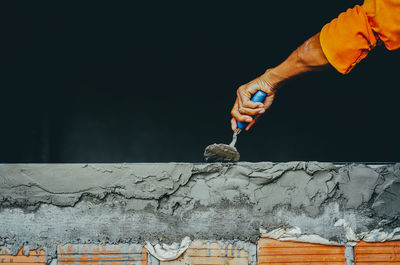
x: 35, y: 257
x: 377, y: 253
x: 212, y: 254
x: 101, y: 254
x: 269, y: 252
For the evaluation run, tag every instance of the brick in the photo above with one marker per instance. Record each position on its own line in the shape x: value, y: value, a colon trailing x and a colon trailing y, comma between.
x: 377, y: 253
x: 35, y: 257
x: 101, y: 254
x: 270, y: 251
x: 201, y: 252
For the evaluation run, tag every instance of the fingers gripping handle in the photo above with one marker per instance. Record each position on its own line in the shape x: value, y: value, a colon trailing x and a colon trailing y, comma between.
x: 259, y: 96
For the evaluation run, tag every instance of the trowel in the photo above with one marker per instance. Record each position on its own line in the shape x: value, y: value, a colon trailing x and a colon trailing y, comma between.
x: 229, y: 153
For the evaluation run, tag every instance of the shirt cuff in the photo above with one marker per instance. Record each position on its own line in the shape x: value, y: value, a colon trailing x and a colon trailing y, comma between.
x: 347, y: 39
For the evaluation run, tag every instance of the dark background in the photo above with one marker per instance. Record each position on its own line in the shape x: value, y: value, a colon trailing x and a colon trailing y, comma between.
x: 155, y: 81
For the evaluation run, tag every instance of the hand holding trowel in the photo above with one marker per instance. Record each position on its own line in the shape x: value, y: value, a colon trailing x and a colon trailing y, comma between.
x: 252, y: 100
x: 309, y: 57
x: 228, y: 153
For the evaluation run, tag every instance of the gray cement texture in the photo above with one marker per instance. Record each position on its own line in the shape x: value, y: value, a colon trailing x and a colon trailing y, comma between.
x: 45, y: 205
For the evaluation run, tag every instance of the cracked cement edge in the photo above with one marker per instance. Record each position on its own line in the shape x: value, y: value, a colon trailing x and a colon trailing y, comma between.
x: 251, y: 170
x: 28, y: 179
x: 21, y: 184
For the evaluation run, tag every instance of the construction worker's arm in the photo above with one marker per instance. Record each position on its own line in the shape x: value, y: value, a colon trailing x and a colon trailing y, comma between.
x: 342, y: 43
x: 308, y: 57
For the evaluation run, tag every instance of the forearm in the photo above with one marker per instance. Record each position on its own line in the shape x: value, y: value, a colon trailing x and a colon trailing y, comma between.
x: 306, y: 58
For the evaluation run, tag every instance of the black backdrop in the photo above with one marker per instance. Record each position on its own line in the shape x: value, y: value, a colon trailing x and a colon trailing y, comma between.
x: 147, y: 81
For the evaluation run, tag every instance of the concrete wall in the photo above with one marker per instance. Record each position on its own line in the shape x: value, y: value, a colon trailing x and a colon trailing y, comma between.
x: 45, y: 206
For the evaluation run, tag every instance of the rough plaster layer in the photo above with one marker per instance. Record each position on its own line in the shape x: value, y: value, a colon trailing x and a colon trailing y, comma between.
x: 42, y: 206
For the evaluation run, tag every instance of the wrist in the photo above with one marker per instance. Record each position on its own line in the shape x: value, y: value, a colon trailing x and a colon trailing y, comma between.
x: 273, y: 78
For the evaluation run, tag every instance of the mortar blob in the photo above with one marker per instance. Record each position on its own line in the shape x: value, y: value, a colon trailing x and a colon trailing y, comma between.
x: 221, y: 153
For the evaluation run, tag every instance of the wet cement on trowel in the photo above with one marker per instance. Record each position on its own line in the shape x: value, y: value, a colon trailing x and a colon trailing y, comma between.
x: 42, y: 206
x: 221, y: 153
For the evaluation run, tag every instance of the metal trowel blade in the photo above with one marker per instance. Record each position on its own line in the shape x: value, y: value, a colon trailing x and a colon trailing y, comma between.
x: 222, y: 152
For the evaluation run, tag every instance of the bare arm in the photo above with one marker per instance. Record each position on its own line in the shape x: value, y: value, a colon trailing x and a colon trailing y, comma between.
x: 306, y: 58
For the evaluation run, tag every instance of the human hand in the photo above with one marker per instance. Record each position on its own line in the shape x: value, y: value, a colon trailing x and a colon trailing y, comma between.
x: 245, y: 110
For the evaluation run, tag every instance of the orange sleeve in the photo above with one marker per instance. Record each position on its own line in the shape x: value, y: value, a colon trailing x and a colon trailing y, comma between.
x: 347, y: 39
x: 384, y: 18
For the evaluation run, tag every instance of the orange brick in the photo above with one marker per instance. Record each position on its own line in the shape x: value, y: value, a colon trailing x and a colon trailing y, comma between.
x: 201, y: 252
x: 35, y: 257
x: 377, y: 253
x: 270, y: 251
x: 101, y: 254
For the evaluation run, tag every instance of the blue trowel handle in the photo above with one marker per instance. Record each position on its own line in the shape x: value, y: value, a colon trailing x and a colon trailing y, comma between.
x: 259, y: 96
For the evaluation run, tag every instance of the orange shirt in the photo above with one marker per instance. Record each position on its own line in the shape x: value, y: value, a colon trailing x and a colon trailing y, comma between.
x: 347, y: 39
